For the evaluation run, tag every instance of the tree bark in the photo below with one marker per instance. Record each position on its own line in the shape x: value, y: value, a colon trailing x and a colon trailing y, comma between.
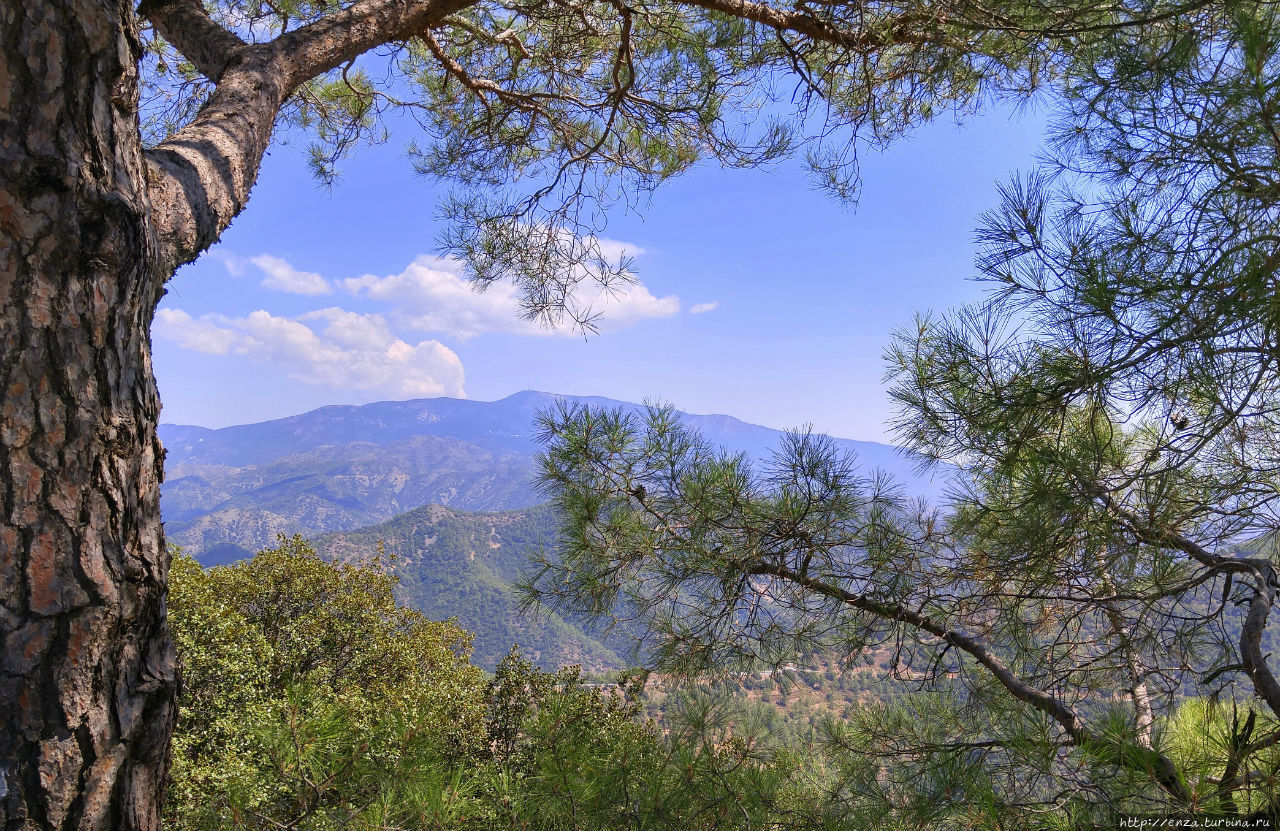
x: 91, y: 227
x: 86, y: 678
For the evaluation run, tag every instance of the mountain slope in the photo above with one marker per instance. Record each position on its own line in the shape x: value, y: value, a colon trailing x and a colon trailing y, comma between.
x: 335, y: 487
x: 453, y: 563
x: 232, y: 490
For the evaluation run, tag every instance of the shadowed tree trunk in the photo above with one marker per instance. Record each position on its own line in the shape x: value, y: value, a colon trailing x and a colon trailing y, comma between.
x: 87, y: 678
x: 92, y: 226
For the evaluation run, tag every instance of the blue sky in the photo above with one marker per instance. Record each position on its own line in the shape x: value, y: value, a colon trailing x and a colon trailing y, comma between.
x: 758, y: 296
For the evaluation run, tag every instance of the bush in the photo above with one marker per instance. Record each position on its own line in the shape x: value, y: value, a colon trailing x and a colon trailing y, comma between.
x: 308, y: 696
x: 310, y: 700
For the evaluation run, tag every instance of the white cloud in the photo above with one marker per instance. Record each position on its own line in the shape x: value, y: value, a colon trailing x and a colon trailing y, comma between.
x: 191, y: 334
x: 233, y: 263
x: 350, y: 351
x: 283, y: 277
x: 613, y: 250
x: 703, y: 308
x: 352, y: 330
x: 431, y: 295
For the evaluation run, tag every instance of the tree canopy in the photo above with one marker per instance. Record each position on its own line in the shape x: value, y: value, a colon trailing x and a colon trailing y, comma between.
x: 308, y: 691
x: 1107, y: 421
x: 542, y: 116
x: 312, y: 700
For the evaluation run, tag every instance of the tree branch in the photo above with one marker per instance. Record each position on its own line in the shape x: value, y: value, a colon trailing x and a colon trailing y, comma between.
x: 1038, y: 699
x: 1265, y: 581
x: 343, y: 36
x: 1255, y: 623
x: 1165, y: 771
x: 199, y: 178
x: 185, y: 24
x: 813, y: 27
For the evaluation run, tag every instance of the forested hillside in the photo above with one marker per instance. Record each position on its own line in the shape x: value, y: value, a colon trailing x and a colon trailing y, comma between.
x: 454, y: 564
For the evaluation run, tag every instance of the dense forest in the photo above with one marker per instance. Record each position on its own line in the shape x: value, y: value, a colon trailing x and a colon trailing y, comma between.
x: 313, y: 699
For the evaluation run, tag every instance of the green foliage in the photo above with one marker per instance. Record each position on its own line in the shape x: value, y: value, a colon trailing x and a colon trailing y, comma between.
x: 730, y: 569
x: 1116, y: 399
x: 548, y: 115
x: 1108, y: 547
x: 662, y: 529
x: 308, y: 692
x: 1112, y: 409
x: 1232, y: 751
x: 567, y: 756
x: 312, y: 700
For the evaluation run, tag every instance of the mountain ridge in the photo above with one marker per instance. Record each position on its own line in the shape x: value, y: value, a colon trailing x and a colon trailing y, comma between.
x: 340, y: 467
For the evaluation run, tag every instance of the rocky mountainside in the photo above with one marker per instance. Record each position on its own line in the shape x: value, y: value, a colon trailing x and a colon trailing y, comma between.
x: 229, y: 491
x: 239, y: 509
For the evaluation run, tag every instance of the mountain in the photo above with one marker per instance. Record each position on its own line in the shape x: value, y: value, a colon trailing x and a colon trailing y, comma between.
x: 228, y: 492
x: 457, y: 564
x: 334, y: 487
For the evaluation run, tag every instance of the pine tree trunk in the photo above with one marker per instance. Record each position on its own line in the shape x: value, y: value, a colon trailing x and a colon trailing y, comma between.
x: 86, y: 674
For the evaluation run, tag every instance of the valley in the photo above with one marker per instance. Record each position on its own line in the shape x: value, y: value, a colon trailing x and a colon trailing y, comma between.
x: 444, y: 486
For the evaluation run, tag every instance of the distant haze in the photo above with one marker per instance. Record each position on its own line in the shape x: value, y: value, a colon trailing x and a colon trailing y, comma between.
x: 339, y: 468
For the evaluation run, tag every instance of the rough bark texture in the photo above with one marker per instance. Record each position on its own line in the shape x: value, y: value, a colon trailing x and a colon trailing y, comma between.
x: 86, y: 678
x: 91, y: 226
